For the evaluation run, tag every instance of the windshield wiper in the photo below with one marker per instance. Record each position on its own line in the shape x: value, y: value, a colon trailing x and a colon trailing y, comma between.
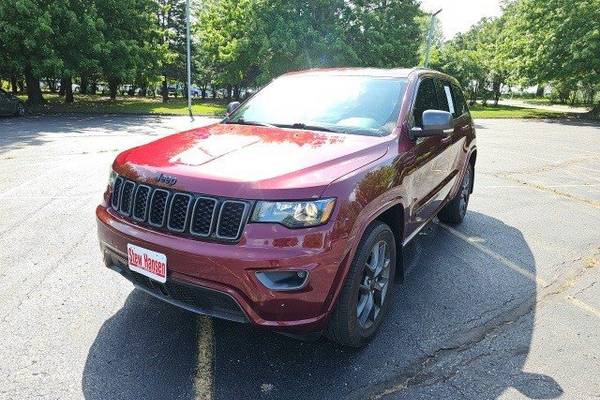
x: 301, y: 125
x: 255, y: 123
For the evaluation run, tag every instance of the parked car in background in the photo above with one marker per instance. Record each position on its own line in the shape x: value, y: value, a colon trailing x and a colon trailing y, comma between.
x: 10, y: 104
x: 292, y: 213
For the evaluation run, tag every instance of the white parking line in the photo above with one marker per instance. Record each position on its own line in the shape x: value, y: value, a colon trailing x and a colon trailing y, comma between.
x: 548, y: 186
x: 519, y: 269
x: 203, y: 380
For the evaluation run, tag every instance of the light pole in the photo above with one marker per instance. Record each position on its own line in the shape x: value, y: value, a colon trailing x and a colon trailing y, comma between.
x: 189, y: 58
x: 430, y: 37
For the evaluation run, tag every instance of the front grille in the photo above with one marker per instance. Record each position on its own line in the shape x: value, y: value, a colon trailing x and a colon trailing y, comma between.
x: 127, y: 197
x: 230, y: 219
x: 178, y: 211
x: 203, y: 216
x: 140, y: 204
x: 158, y: 207
x: 185, y: 214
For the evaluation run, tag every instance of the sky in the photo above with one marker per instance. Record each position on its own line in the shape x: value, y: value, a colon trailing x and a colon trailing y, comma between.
x: 459, y: 15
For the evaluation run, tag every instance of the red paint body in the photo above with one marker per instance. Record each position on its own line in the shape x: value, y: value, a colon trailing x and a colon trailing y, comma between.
x: 367, y: 175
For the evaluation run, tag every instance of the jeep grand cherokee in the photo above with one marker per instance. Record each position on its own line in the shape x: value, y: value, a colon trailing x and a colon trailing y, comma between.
x: 292, y: 212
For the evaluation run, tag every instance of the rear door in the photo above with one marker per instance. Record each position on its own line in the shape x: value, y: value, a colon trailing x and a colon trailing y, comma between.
x: 446, y: 166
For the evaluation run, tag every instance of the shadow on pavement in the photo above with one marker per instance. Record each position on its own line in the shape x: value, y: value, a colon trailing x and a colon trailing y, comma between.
x: 148, y: 350
x: 27, y: 131
x: 461, y: 325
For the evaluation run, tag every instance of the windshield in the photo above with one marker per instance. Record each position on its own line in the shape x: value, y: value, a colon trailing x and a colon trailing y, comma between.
x: 338, y: 103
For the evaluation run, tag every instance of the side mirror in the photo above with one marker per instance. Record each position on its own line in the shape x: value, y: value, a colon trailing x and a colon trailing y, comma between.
x: 231, y: 107
x: 435, y: 123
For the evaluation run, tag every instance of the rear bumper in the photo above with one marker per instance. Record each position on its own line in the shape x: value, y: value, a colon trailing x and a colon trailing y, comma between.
x: 219, y: 279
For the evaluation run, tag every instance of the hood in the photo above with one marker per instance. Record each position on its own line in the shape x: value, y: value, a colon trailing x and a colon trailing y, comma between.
x: 251, y: 162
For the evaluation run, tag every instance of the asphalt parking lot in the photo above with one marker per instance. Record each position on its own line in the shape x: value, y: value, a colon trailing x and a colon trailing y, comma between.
x: 505, y: 306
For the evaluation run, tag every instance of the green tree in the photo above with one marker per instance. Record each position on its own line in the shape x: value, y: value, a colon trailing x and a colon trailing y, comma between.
x: 26, y: 40
x: 79, y: 43
x: 384, y: 33
x: 229, y: 39
x: 172, y: 28
x: 556, y: 41
x: 127, y: 26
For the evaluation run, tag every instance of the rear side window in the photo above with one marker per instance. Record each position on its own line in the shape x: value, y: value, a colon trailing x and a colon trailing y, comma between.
x: 459, y: 100
x: 426, y: 100
x: 444, y: 96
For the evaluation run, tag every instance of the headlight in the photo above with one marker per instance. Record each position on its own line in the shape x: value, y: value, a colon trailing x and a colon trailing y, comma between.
x: 294, y: 214
x: 112, y: 177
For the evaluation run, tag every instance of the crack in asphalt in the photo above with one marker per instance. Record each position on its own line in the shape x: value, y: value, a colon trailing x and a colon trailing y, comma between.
x: 544, y: 188
x: 420, y: 372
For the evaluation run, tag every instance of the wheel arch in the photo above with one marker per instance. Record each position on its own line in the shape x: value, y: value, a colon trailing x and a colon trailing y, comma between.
x: 472, y: 160
x: 394, y: 218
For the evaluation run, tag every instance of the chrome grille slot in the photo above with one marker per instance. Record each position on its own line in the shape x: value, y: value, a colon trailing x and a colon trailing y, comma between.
x: 116, y: 193
x: 203, y: 216
x: 231, y: 216
x: 158, y: 207
x: 184, y: 214
x: 140, y: 202
x: 178, y: 211
x: 127, y: 197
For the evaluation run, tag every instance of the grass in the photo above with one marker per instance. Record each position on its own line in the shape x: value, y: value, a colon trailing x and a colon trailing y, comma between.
x: 95, y: 104
x: 500, y: 111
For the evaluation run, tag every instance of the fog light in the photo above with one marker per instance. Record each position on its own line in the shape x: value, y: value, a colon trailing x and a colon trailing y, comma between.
x: 283, y: 280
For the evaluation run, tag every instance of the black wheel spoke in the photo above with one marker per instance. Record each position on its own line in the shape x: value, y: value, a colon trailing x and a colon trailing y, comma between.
x: 366, y: 310
x: 374, y: 285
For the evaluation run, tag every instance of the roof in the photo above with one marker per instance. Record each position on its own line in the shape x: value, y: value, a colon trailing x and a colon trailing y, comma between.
x: 379, y: 72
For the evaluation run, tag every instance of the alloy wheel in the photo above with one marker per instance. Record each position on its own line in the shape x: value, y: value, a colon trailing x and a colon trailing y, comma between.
x: 374, y: 285
x: 465, y: 192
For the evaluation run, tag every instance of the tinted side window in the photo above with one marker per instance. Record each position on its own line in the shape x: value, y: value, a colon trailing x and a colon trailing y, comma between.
x: 459, y: 100
x: 426, y: 100
x: 440, y: 87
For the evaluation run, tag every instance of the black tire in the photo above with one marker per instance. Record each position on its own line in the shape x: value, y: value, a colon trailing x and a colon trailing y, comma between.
x: 346, y: 325
x: 454, y: 212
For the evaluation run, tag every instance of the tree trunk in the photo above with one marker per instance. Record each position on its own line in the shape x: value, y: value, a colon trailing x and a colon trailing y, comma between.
x: 113, y: 85
x: 21, y: 85
x: 34, y: 92
x: 93, y: 88
x: 229, y: 90
x: 496, y: 88
x: 13, y: 85
x: 69, y: 89
x: 203, y: 92
x: 539, y: 92
x: 236, y: 92
x: 214, y: 93
x: 51, y: 82
x: 63, y: 85
x: 164, y: 90
x: 83, y: 89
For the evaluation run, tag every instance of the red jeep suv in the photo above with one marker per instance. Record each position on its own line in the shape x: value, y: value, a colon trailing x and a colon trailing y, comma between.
x: 292, y: 212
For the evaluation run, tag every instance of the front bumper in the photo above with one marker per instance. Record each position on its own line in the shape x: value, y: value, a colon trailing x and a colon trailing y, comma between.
x: 220, y: 279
